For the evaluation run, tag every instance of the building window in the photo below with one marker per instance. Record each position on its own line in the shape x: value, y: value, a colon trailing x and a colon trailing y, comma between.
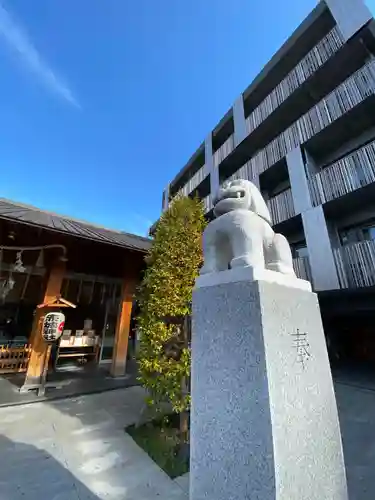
x: 299, y: 250
x: 369, y: 232
x: 361, y: 232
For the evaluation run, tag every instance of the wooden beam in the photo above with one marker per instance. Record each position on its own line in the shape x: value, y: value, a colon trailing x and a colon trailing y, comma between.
x: 120, y: 349
x: 39, y: 348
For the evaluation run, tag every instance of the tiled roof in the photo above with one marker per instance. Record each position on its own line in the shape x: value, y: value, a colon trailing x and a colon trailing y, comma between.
x: 30, y: 215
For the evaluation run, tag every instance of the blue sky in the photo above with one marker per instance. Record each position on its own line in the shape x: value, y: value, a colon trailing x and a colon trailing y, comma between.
x: 103, y: 101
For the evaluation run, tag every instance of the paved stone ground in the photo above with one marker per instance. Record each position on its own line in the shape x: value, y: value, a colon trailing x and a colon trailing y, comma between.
x: 183, y: 481
x: 76, y: 449
x: 357, y: 419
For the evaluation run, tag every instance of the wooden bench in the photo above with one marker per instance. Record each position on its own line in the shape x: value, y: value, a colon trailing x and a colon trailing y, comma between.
x: 78, y: 351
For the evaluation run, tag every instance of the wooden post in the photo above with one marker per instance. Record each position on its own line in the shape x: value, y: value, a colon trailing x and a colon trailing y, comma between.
x: 39, y: 348
x: 120, y: 348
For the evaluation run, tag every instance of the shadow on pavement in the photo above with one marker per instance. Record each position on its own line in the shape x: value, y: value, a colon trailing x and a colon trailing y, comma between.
x: 30, y: 473
x: 86, y: 435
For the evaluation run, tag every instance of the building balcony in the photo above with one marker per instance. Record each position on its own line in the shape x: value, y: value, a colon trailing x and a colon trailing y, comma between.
x: 355, y: 264
x: 184, y: 191
x: 244, y: 172
x: 281, y: 207
x: 344, y: 176
x: 346, y: 97
x: 194, y: 182
x: 313, y: 60
x: 224, y: 150
x: 325, y: 96
x: 197, y: 178
x: 302, y: 269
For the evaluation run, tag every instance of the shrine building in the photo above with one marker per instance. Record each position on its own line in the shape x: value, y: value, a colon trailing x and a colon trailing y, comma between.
x: 51, y: 263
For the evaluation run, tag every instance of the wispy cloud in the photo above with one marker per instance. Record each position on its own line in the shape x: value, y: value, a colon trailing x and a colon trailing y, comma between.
x: 18, y: 41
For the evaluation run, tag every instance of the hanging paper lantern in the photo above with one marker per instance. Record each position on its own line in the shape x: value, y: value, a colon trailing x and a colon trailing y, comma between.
x: 18, y: 265
x: 53, y: 326
x: 40, y: 260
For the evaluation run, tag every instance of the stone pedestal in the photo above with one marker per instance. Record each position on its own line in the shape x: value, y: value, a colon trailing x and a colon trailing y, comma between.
x: 264, y: 421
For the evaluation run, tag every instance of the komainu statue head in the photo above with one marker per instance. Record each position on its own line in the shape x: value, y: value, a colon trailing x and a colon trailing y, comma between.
x: 240, y: 195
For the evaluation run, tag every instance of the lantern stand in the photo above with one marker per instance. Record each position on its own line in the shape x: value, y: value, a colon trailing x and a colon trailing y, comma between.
x: 57, y: 301
x: 52, y: 329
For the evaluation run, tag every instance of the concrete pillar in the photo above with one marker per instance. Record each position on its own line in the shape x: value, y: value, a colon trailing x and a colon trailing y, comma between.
x: 239, y: 121
x: 350, y: 15
x: 209, y: 162
x: 312, y: 167
x: 298, y: 181
x: 120, y: 350
x: 165, y: 202
x: 319, y: 247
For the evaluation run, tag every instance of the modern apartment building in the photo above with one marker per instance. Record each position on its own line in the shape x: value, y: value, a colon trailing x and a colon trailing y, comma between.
x: 304, y: 133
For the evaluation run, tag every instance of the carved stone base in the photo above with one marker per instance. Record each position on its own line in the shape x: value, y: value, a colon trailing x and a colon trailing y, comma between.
x: 264, y: 422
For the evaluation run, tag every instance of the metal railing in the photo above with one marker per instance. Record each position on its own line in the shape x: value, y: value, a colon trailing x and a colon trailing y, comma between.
x: 224, y: 150
x: 355, y: 264
x: 197, y: 178
x: 194, y: 182
x: 184, y: 191
x: 281, y: 206
x: 345, y: 97
x: 348, y: 174
x: 359, y: 86
x: 244, y: 172
x: 302, y: 268
x: 207, y: 203
x: 318, y: 56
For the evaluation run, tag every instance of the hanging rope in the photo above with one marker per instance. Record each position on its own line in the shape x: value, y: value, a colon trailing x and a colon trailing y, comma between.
x: 25, y: 249
x: 6, y: 285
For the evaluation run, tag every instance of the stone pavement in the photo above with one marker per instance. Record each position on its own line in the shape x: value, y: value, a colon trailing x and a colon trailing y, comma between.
x: 357, y: 419
x: 76, y: 449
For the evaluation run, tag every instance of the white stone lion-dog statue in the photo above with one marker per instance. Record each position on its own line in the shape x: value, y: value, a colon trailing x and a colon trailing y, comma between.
x: 241, y: 234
